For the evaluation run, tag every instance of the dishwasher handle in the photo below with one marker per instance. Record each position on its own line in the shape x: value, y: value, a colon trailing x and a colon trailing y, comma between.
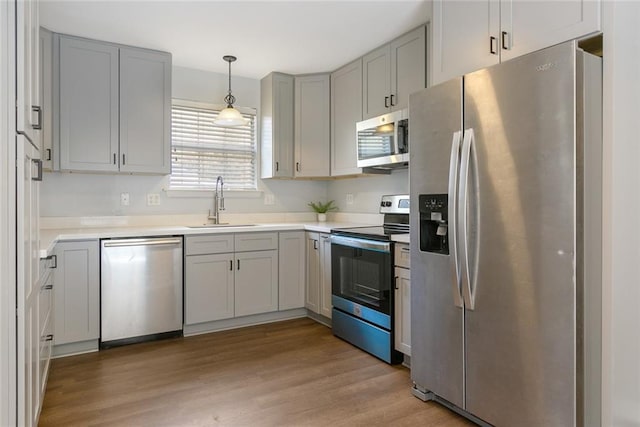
x: 141, y: 242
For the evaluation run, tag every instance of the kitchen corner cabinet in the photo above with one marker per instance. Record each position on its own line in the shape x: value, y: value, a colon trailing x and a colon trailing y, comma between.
x: 311, y: 126
x: 318, y: 283
x: 77, y: 292
x: 276, y: 124
x: 115, y: 102
x: 470, y: 35
x: 291, y: 259
x: 402, y: 300
x: 393, y: 71
x: 346, y: 111
x: 28, y: 96
x: 230, y: 275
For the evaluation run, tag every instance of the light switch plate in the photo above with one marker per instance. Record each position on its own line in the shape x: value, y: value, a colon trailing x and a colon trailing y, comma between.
x: 124, y: 199
x: 349, y: 198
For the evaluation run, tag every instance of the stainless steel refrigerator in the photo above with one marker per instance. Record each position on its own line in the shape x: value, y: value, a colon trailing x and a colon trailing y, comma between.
x: 505, y: 183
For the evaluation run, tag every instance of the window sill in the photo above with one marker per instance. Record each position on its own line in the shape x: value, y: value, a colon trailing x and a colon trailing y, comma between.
x: 208, y: 194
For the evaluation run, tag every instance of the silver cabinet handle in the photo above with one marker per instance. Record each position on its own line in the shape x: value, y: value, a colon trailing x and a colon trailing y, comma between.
x: 141, y: 242
x: 38, y: 164
x: 454, y: 263
x: 38, y: 122
x: 463, y: 199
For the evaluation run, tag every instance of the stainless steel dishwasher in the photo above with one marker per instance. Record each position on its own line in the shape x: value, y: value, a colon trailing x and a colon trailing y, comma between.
x: 141, y: 289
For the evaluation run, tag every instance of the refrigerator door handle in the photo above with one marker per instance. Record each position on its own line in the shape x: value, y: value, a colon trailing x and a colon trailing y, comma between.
x: 463, y: 202
x: 454, y: 172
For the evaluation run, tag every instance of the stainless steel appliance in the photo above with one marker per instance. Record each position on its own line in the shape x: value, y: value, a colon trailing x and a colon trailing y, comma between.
x: 383, y: 141
x: 141, y: 289
x: 362, y: 280
x: 505, y: 185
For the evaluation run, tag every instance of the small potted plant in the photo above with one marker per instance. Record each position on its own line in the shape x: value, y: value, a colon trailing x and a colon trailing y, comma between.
x: 322, y: 208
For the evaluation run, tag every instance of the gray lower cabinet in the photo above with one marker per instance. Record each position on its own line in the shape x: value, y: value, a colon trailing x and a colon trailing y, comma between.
x: 402, y: 299
x: 115, y: 107
x: 209, y: 288
x: 291, y: 266
x: 318, y: 283
x: 224, y: 278
x: 77, y: 292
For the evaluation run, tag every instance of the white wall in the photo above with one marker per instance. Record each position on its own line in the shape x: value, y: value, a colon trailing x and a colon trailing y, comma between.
x: 65, y: 194
x: 366, y: 191
x: 621, y: 233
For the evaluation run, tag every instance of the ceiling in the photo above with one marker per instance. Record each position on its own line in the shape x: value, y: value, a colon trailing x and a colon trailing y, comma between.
x: 294, y: 37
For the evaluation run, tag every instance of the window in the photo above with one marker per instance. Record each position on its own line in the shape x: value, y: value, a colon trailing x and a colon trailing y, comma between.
x: 201, y: 150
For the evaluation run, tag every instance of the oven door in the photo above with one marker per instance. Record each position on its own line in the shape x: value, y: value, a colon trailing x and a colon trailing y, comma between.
x: 361, y: 272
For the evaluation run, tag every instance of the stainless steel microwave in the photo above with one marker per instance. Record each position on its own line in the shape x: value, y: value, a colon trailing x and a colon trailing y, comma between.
x: 383, y: 141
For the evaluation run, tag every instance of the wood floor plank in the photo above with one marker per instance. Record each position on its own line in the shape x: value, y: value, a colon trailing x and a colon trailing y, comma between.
x: 292, y: 373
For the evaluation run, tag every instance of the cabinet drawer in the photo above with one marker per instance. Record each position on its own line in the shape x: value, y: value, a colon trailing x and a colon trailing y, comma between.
x: 45, y: 299
x: 403, y: 256
x: 209, y: 244
x: 256, y: 241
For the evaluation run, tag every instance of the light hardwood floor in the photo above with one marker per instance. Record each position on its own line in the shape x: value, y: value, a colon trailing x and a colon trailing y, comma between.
x: 293, y: 373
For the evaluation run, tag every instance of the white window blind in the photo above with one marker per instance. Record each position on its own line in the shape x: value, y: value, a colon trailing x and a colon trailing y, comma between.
x: 202, y: 150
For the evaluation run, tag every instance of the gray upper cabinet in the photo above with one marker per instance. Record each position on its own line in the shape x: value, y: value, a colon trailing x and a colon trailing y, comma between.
x: 470, y: 35
x: 276, y: 112
x: 346, y: 111
x: 145, y: 116
x: 115, y: 107
x: 393, y: 71
x: 88, y: 105
x: 311, y: 126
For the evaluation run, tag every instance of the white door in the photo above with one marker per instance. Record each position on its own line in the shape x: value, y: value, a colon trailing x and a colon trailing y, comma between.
x: 291, y: 266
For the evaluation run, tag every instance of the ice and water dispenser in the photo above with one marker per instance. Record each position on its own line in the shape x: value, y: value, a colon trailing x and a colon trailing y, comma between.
x: 434, y: 223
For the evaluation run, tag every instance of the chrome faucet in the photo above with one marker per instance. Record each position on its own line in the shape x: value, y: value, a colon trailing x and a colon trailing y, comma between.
x: 218, y: 201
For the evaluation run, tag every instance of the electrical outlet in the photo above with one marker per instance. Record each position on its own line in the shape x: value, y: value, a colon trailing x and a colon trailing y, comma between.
x: 349, y: 198
x: 153, y: 199
x: 269, y: 199
x: 124, y: 199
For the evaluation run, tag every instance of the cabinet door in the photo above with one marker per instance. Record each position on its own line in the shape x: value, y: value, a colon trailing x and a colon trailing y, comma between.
x: 346, y: 111
x: 276, y: 112
x: 29, y: 117
x: 208, y: 288
x: 291, y: 267
x: 88, y: 105
x: 256, y: 284
x: 312, y: 126
x: 46, y: 96
x: 402, y: 315
x: 527, y: 26
x: 145, y: 111
x: 27, y: 290
x: 462, y: 37
x: 408, y: 67
x: 325, y: 275
x: 77, y: 292
x: 312, y: 291
x: 376, y: 81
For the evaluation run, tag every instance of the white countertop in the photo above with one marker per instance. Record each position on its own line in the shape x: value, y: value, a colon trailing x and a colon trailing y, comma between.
x: 400, y: 238
x: 49, y: 237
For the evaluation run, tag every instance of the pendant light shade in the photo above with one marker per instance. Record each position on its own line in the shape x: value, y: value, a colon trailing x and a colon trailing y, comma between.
x: 230, y: 116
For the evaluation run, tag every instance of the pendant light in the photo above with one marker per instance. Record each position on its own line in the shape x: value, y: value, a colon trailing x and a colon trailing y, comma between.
x: 230, y: 116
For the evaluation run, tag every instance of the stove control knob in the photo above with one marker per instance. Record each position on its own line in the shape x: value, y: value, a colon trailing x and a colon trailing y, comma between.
x: 387, y: 204
x: 382, y: 204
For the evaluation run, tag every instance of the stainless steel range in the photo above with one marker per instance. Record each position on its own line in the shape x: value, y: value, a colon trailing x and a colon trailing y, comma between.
x: 362, y: 280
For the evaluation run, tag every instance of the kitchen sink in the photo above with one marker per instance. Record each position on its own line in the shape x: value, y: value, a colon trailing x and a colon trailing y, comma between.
x: 220, y: 225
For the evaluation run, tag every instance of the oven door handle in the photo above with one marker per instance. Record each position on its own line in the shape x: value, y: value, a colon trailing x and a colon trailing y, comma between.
x: 370, y: 245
